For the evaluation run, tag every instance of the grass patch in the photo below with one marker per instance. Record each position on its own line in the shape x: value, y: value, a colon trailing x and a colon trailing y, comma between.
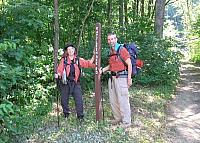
x: 148, y: 118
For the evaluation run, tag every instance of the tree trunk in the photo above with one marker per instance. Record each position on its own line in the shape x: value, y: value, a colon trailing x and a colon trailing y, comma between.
x: 159, y: 17
x: 154, y: 9
x: 110, y: 14
x: 137, y: 7
x: 121, y: 17
x: 142, y: 8
x: 56, y: 35
x: 150, y: 3
x: 83, y: 25
x: 134, y: 9
x: 126, y: 11
x: 189, y: 4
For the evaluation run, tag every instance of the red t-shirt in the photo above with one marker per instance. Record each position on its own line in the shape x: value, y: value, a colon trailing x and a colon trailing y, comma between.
x: 115, y: 62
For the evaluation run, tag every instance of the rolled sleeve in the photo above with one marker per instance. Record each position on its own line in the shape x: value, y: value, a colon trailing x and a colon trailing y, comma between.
x: 86, y: 63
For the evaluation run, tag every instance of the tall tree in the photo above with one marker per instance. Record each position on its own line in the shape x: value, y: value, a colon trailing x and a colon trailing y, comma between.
x: 159, y: 17
x: 56, y: 34
x: 134, y: 9
x: 109, y: 13
x: 126, y: 11
x: 56, y: 45
x: 83, y: 24
x: 142, y: 8
x: 121, y: 16
x: 137, y: 6
x: 150, y: 3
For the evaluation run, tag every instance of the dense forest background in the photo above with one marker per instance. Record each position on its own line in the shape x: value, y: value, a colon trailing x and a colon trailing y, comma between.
x: 162, y: 29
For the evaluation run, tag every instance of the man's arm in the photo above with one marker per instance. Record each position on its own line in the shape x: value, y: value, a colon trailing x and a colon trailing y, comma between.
x: 105, y: 69
x: 128, y: 62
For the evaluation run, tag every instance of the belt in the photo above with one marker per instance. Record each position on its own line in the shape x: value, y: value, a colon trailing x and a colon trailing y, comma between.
x: 120, y: 73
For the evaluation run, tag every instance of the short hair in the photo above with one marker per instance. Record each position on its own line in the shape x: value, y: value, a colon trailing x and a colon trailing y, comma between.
x: 111, y: 33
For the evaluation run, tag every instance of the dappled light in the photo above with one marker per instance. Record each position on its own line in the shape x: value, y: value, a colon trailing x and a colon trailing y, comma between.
x: 184, y: 119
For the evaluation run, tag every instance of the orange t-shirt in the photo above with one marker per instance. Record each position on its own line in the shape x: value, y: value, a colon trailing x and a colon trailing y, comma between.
x: 115, y: 62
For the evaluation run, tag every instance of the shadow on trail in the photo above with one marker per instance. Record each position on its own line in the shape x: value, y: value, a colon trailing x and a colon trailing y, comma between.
x: 184, y: 110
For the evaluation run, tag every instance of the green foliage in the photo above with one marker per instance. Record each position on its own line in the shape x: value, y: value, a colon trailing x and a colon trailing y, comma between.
x: 195, y: 52
x: 21, y: 121
x: 196, y: 26
x: 7, y: 45
x: 5, y: 109
x: 28, y: 22
x: 195, y: 44
x: 161, y: 62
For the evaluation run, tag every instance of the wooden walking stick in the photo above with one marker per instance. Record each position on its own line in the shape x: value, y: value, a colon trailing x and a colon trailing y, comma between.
x: 97, y: 74
x: 56, y: 45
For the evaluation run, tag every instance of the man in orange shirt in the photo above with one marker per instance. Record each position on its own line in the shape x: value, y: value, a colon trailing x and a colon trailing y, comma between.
x: 119, y: 82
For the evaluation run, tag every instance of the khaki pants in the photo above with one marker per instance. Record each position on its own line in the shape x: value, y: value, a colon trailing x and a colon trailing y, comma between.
x: 119, y: 99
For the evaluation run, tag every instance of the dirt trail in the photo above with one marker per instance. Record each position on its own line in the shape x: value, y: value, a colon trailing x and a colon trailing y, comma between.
x: 183, y: 120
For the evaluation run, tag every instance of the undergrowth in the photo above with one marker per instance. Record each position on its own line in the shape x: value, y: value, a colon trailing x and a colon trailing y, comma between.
x: 148, y: 121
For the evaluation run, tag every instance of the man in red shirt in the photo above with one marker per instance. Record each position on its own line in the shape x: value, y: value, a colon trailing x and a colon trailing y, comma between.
x: 119, y: 82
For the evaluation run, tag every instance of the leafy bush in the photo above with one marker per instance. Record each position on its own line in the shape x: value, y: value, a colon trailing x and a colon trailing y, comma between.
x: 161, y: 63
x: 195, y: 45
x: 196, y: 26
x: 195, y: 52
x: 6, y: 110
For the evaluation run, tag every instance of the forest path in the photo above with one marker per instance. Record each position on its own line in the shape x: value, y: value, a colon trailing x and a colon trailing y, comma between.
x: 183, y: 120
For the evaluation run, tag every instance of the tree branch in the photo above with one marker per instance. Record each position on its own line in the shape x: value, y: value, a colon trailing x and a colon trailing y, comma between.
x: 168, y: 2
x: 83, y: 24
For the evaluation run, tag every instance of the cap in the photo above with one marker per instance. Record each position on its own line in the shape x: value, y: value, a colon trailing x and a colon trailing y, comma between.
x: 68, y: 45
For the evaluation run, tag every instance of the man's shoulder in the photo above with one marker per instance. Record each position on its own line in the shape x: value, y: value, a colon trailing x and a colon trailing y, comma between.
x: 123, y: 49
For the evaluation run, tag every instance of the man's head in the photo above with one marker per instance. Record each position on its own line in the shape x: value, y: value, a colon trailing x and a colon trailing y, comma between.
x: 112, y: 39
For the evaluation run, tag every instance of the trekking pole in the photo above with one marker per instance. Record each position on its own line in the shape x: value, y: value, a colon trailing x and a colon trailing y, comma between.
x: 58, y: 85
x: 56, y: 46
x: 102, y: 99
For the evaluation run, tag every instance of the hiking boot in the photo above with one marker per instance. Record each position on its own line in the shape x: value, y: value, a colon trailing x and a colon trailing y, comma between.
x: 66, y: 115
x: 114, y: 122
x: 125, y: 125
x: 80, y: 119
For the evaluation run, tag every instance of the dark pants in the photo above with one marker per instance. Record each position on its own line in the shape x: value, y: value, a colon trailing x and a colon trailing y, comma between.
x: 75, y: 90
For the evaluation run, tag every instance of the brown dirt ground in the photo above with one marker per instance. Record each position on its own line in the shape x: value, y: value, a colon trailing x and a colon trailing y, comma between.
x: 183, y: 121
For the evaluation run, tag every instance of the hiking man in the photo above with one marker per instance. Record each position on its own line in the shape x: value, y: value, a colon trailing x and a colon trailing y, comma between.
x: 69, y: 72
x: 119, y: 82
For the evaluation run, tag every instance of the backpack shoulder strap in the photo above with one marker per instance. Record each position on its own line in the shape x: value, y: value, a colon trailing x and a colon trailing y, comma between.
x: 118, y: 54
x: 77, y: 60
x: 119, y: 48
x: 65, y: 61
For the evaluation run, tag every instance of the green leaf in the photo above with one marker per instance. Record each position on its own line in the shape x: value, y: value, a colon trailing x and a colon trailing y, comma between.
x: 1, y: 113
